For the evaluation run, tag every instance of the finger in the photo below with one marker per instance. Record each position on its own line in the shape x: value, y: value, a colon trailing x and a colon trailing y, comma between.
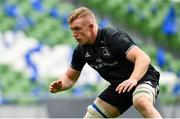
x: 53, y: 83
x: 118, y: 87
x: 130, y: 87
x: 50, y: 87
x: 121, y: 88
x: 125, y: 87
x: 53, y: 90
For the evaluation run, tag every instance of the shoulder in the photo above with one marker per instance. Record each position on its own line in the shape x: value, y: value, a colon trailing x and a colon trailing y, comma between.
x: 77, y: 50
x: 111, y: 32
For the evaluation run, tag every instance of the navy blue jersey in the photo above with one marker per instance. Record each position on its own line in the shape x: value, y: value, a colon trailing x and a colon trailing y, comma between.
x: 108, y: 56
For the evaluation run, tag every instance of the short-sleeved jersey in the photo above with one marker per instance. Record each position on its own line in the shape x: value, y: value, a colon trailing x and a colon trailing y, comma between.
x: 108, y: 56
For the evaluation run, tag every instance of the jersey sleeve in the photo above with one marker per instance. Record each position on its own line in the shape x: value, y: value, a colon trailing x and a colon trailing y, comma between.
x: 120, y: 42
x: 77, y: 61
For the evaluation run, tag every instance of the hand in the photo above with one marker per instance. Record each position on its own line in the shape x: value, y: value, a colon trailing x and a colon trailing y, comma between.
x: 126, y: 85
x: 55, y: 86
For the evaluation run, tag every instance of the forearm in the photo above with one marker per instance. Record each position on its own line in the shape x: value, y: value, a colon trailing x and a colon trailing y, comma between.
x: 140, y: 68
x: 66, y: 82
x: 69, y: 78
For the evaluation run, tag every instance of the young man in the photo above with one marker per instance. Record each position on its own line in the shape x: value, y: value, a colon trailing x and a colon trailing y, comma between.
x: 114, y: 55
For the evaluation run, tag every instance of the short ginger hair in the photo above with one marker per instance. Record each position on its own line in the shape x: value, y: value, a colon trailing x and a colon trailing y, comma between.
x: 80, y: 12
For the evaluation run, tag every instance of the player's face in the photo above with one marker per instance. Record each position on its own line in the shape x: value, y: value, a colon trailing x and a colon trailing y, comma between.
x: 81, y: 31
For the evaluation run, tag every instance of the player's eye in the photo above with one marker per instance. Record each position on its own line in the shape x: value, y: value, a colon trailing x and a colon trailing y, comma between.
x: 77, y: 29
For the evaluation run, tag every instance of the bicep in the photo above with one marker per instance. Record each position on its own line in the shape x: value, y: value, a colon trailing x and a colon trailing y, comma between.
x: 136, y: 52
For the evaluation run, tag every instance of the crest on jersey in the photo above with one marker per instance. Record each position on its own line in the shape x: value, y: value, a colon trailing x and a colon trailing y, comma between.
x: 105, y: 52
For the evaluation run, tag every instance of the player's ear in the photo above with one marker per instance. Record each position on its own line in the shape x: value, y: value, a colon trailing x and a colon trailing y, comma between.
x: 91, y: 26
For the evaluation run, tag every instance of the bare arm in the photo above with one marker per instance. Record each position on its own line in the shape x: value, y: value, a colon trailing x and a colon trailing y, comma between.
x: 65, y: 81
x: 141, y: 64
x: 141, y: 61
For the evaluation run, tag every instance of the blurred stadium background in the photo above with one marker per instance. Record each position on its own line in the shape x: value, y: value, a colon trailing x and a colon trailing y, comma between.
x: 36, y: 46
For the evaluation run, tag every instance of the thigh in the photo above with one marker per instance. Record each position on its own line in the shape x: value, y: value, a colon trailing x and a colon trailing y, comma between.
x: 121, y: 101
x: 148, y: 89
x: 110, y: 110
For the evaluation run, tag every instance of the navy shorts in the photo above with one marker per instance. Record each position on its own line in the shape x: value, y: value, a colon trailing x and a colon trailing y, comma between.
x: 122, y: 101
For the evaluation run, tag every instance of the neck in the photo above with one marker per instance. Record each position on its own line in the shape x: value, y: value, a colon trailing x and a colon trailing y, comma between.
x: 95, y: 33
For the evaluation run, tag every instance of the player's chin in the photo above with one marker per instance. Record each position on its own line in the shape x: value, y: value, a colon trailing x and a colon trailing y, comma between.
x: 82, y: 43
